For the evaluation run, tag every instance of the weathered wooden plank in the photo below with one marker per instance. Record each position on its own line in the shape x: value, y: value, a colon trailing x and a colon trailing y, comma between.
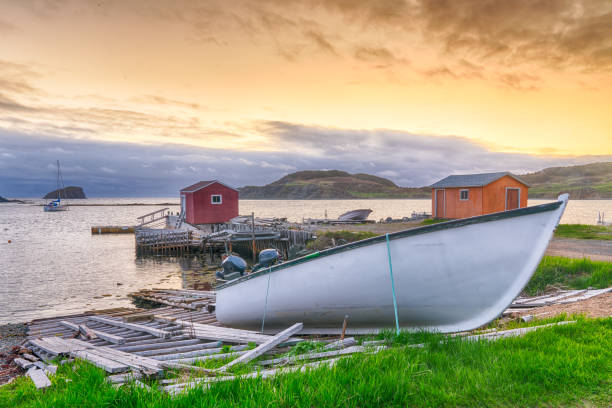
x: 87, y: 332
x: 121, y: 378
x: 25, y: 364
x: 589, y: 294
x: 373, y: 343
x: 209, y: 357
x: 186, y: 367
x: 50, y: 369
x: 111, y: 338
x: 46, y: 344
x: 29, y: 357
x: 182, y: 349
x: 179, y: 387
x: 553, y: 299
x: 262, y: 348
x: 349, y: 341
x: 39, y: 364
x: 116, y: 356
x: 210, y: 332
x: 162, y: 345
x: 132, y: 326
x: 149, y: 341
x: 110, y: 366
x: 514, y: 332
x: 198, y: 353
x: 39, y: 378
x: 312, y: 356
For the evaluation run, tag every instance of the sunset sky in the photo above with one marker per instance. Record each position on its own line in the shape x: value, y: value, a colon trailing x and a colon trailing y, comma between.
x: 142, y: 97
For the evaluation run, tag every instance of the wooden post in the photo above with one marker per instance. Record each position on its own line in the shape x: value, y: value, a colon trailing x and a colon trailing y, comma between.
x: 253, y: 236
x: 344, y: 324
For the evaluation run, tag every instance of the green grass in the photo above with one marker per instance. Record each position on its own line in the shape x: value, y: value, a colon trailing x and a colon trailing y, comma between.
x: 561, y: 366
x: 328, y: 238
x: 430, y: 221
x: 582, y: 231
x: 571, y: 273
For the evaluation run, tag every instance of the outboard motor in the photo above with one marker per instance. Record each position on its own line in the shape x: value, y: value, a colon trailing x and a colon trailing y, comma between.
x: 233, y: 268
x: 267, y: 257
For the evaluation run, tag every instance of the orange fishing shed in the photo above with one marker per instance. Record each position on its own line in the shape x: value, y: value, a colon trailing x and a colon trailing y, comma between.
x: 469, y: 195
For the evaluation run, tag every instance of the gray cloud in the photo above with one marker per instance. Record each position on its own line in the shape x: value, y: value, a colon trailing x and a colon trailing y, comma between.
x: 123, y: 169
x: 321, y: 41
x: 379, y: 55
x: 9, y: 104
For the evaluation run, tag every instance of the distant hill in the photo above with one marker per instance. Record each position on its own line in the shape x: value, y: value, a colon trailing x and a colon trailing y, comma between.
x: 589, y: 181
x: 6, y: 200
x: 68, y: 192
x: 331, y: 184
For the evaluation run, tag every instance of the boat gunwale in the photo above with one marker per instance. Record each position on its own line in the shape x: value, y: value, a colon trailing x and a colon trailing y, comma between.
x: 397, y: 235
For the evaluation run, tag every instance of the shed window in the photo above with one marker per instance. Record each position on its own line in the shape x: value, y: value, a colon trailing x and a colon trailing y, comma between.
x: 464, y: 195
x: 215, y: 199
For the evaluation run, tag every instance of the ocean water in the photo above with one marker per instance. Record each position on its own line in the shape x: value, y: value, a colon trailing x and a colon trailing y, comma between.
x: 54, y: 265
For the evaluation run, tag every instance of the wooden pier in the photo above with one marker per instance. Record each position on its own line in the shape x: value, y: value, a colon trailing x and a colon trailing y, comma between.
x: 112, y: 229
x: 166, y: 242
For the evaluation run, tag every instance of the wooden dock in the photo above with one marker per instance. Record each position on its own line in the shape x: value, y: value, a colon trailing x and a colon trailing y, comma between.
x: 112, y: 229
x: 166, y: 242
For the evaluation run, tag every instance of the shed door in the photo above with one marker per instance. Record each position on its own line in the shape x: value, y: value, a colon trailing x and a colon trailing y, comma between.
x: 512, y: 198
x: 439, y: 204
x: 183, y: 205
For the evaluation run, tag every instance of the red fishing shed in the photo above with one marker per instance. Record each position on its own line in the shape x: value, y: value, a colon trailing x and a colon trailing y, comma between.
x: 209, y: 202
x: 469, y: 195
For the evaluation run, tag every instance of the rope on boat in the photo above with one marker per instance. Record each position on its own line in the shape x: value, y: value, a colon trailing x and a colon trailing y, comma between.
x: 263, y: 321
x: 397, y: 330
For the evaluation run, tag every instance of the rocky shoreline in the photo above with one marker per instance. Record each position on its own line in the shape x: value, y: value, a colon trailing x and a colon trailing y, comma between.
x: 12, y: 334
x: 11, y: 337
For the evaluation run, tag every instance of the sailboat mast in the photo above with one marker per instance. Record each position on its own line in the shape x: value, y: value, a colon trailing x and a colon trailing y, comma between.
x: 60, y: 182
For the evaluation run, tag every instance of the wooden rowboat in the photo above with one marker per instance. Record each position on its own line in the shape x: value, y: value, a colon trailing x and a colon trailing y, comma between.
x: 355, y: 215
x: 447, y: 277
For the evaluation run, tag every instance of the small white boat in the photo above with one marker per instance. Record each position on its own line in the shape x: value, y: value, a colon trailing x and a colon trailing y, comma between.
x: 56, y: 205
x: 447, y: 277
x: 355, y: 215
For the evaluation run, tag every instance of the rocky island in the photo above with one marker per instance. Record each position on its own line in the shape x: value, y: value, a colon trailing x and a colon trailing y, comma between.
x: 68, y: 192
x: 6, y: 200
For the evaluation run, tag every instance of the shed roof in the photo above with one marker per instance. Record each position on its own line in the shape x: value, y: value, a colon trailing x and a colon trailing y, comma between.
x: 474, y: 180
x: 201, y: 184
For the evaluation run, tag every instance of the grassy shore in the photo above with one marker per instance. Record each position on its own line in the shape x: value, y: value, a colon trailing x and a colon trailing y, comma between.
x: 583, y: 231
x: 570, y: 273
x: 567, y: 365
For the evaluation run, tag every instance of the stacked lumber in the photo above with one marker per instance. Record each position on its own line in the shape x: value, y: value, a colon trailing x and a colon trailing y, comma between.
x: 133, y: 346
x: 183, y: 298
x: 560, y: 297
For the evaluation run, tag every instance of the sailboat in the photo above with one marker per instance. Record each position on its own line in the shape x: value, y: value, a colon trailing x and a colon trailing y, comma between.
x: 56, y: 205
x: 446, y: 277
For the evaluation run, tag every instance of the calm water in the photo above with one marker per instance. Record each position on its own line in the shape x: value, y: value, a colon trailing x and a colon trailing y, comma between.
x: 55, y: 266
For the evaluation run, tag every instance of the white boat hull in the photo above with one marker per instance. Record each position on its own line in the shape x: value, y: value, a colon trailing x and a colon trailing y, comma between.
x: 448, y: 277
x: 55, y: 209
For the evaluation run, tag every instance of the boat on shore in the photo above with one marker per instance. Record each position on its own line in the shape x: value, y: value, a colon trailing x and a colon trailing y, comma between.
x: 56, y: 205
x: 447, y: 277
x: 355, y: 215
